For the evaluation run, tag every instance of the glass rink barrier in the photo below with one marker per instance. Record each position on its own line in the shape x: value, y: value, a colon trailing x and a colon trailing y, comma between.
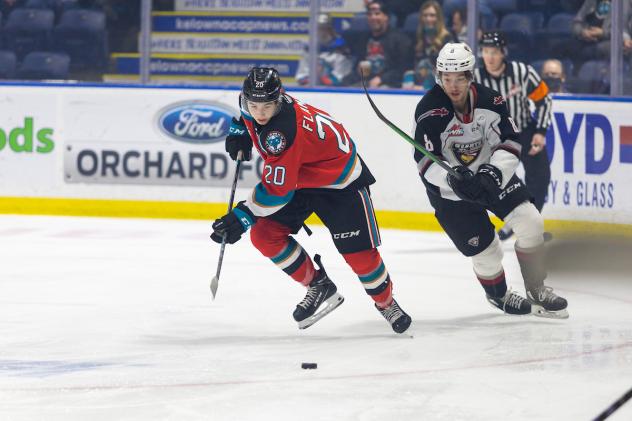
x: 579, y: 47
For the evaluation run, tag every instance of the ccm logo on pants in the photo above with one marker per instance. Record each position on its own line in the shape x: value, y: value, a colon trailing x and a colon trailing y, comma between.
x: 349, y: 234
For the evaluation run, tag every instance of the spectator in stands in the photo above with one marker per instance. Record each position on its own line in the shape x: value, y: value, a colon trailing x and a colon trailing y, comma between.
x: 400, y: 8
x: 459, y: 24
x: 431, y: 36
x: 334, y: 61
x: 554, y: 76
x: 591, y: 28
x: 387, y: 50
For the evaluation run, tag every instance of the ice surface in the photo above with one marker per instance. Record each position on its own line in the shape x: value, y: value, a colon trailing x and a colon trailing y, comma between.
x: 111, y: 319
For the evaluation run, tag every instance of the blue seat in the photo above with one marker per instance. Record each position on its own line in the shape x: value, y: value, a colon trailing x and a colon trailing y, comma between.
x: 537, y: 65
x: 594, y: 76
x: 502, y: 7
x: 536, y: 4
x: 487, y: 18
x: 518, y: 31
x: 40, y: 65
x: 40, y: 4
x: 520, y: 22
x: 561, y: 23
x: 28, y: 30
x: 570, y: 6
x: 359, y: 23
x: 537, y: 20
x: 81, y: 33
x: 411, y: 23
x: 551, y: 40
x: 62, y: 5
x: 8, y: 62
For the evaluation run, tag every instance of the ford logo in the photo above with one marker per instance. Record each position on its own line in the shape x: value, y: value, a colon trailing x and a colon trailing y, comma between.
x: 196, y: 121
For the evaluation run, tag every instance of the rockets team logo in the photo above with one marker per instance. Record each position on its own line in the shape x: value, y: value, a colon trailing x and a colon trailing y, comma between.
x: 275, y: 143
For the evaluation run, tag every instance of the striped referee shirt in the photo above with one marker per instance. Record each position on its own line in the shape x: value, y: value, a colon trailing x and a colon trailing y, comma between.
x: 519, y: 84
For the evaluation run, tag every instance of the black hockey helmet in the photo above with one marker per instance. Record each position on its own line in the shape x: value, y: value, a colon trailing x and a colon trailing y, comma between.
x: 263, y: 84
x: 494, y: 39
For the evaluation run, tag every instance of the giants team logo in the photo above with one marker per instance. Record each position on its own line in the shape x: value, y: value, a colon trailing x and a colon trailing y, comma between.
x: 275, y: 143
x: 498, y: 100
x: 466, y: 153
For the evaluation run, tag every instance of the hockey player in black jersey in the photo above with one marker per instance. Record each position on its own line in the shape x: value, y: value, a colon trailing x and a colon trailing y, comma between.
x: 468, y: 126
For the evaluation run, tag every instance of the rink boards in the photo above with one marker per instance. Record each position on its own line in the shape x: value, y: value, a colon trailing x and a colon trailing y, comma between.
x: 159, y: 152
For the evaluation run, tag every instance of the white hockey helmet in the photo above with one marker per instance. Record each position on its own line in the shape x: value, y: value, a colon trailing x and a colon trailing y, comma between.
x: 455, y: 57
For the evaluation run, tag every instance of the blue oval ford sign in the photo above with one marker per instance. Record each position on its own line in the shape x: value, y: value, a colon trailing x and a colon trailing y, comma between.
x: 196, y: 121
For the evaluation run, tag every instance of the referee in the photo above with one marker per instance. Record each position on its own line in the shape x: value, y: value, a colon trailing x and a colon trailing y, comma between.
x: 520, y: 85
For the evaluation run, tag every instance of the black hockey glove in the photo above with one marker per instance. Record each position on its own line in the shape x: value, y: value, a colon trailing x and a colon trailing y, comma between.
x: 238, y: 139
x: 490, y: 178
x: 233, y: 224
x: 469, y: 187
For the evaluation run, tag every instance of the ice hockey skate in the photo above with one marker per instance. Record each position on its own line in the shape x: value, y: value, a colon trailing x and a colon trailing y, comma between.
x: 321, y: 299
x: 398, y: 319
x: 545, y: 303
x: 511, y: 303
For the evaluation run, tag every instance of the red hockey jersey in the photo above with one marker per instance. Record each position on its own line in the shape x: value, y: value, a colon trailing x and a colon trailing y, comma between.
x: 302, y: 147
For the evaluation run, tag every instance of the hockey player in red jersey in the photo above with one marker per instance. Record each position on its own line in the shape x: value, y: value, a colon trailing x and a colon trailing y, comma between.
x: 311, y: 165
x: 468, y: 125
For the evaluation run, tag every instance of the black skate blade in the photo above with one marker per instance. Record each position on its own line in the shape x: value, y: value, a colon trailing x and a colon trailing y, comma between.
x: 330, y: 305
x: 539, y: 311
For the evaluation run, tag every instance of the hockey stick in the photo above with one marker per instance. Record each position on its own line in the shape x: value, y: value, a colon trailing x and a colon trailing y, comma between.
x: 615, y: 405
x: 215, y: 280
x: 407, y: 138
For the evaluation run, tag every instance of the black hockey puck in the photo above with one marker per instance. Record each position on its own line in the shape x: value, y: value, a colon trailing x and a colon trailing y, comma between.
x: 309, y: 366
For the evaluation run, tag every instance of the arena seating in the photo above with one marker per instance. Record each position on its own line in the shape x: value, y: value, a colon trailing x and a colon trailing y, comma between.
x: 44, y: 65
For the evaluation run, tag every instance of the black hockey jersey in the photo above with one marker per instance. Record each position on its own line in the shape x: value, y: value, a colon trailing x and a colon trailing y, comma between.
x: 487, y: 135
